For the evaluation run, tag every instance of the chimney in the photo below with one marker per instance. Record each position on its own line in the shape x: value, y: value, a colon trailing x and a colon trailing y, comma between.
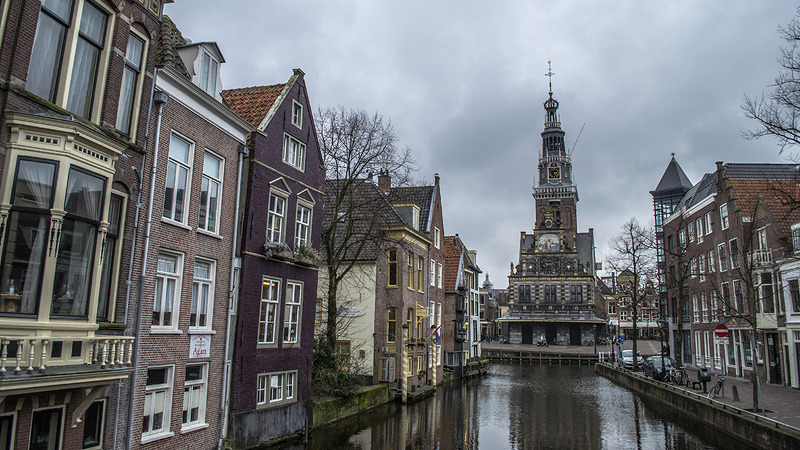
x: 384, y: 182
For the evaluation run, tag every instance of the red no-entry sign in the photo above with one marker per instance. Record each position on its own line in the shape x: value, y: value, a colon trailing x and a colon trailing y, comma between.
x: 721, y: 331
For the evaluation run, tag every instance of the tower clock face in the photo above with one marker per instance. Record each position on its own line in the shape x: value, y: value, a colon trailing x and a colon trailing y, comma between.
x: 554, y: 172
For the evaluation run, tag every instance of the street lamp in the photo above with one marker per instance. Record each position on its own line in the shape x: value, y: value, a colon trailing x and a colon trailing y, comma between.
x: 594, y: 330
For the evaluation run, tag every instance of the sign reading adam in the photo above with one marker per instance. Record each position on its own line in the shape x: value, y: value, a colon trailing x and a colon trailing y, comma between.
x: 200, y: 346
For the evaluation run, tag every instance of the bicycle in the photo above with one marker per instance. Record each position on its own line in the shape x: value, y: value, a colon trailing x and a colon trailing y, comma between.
x: 717, y: 388
x: 679, y: 376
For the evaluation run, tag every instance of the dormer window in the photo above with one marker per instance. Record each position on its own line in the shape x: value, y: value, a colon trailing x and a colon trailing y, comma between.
x: 415, y: 217
x: 297, y: 115
x: 208, y: 78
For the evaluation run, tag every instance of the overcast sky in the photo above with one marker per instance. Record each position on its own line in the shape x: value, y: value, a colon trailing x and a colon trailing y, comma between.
x: 463, y: 84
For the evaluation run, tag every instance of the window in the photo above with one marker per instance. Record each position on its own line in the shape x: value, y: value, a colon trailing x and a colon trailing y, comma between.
x: 108, y: 282
x: 439, y: 276
x: 168, y: 285
x: 410, y: 271
x: 194, y: 395
x: 202, y: 294
x: 726, y: 301
x: 766, y: 291
x: 387, y: 369
x: 268, y: 317
x: 53, y: 55
x: 276, y: 218
x: 670, y: 243
x: 208, y: 76
x: 46, y: 429
x: 707, y: 220
x: 291, y: 315
x: 723, y: 257
x: 294, y: 152
x: 79, y: 230
x: 738, y: 296
x: 701, y: 267
x: 437, y: 237
x: 576, y: 294
x: 681, y: 237
x: 157, y: 401
x: 297, y: 114
x: 93, y: 425
x: 210, y: 193
x: 130, y: 89
x: 695, y: 309
x: 343, y: 355
x: 710, y: 261
x: 698, y: 225
x: 690, y: 229
x: 302, y: 227
x: 176, y: 196
x: 275, y: 388
x: 723, y: 216
x: 391, y: 325
x: 420, y: 271
x: 550, y: 294
x: 432, y: 275
x: 391, y: 268
x: 794, y: 292
x: 734, y: 253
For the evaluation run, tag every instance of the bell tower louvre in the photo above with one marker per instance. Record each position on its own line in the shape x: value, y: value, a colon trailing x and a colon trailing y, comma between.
x: 552, y: 286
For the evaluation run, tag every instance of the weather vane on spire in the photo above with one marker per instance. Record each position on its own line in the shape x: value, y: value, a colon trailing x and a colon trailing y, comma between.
x: 549, y: 75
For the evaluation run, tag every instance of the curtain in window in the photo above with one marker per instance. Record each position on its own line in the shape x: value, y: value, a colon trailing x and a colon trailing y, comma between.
x: 87, y: 55
x: 133, y: 58
x: 48, y: 45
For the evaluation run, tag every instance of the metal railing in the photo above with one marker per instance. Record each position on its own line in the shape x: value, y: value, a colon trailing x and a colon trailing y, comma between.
x: 20, y: 355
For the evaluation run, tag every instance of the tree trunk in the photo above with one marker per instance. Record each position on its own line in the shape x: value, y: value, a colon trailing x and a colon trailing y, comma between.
x: 330, y: 330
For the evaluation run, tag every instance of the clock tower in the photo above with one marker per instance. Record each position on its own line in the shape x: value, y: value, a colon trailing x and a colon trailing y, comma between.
x: 552, y: 288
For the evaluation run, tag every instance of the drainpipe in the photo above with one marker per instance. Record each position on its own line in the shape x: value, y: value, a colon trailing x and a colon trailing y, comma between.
x: 160, y: 98
x: 232, y: 300
x: 129, y: 281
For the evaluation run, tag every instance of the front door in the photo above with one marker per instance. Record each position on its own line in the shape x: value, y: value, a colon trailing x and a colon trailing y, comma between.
x: 774, y: 360
x: 527, y: 333
x: 574, y: 334
x: 551, y: 333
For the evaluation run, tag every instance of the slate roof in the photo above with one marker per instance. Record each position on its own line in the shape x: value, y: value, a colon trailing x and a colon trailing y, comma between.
x: 371, y: 211
x: 169, y: 39
x: 252, y: 103
x: 422, y: 196
x: 674, y: 179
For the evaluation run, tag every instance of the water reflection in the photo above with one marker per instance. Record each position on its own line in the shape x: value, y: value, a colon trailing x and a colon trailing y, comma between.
x: 515, y: 407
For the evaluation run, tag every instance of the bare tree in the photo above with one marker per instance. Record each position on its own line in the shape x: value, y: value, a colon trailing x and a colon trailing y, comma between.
x: 355, y: 145
x: 676, y: 278
x: 778, y: 109
x: 633, y: 253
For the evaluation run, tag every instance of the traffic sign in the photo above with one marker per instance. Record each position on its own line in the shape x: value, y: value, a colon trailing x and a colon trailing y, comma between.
x: 721, y: 331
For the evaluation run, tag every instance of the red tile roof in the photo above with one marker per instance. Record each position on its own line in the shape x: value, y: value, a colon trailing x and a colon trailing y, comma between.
x: 778, y: 194
x: 452, y: 256
x: 252, y: 103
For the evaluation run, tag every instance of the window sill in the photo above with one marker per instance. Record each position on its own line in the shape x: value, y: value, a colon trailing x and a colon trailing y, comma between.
x: 154, y: 330
x: 200, y: 331
x: 195, y: 427
x: 176, y: 224
x: 261, y: 345
x: 210, y: 234
x: 157, y: 437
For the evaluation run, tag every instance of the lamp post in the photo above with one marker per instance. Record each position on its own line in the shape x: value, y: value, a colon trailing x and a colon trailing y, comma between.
x: 662, y: 326
x: 404, y: 365
x: 594, y: 330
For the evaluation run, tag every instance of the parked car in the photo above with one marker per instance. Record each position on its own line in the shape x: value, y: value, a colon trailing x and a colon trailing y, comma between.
x: 627, y: 359
x: 652, y: 367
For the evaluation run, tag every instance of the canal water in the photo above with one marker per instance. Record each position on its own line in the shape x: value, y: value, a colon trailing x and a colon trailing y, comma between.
x: 516, y: 407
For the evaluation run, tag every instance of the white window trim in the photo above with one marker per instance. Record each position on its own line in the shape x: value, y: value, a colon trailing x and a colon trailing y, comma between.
x: 188, y: 189
x: 707, y: 220
x: 299, y: 161
x: 264, y: 387
x: 724, y: 220
x: 212, y: 285
x: 202, y: 408
x: 299, y: 240
x: 168, y: 400
x: 439, y: 276
x: 282, y: 232
x: 221, y: 181
x: 299, y: 122
x: 298, y: 286
x: 276, y: 303
x: 432, y: 275
x: 437, y: 237
x: 137, y: 90
x: 178, y: 277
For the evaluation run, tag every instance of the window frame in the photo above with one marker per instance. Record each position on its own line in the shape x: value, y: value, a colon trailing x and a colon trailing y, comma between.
x: 439, y: 276
x: 111, y: 260
x: 210, y: 282
x: 420, y: 274
x: 134, y: 106
x: 722, y: 256
x: 297, y: 158
x: 391, y: 268
x: 152, y: 390
x: 302, y: 229
x: 707, y: 220
x: 432, y: 274
x: 698, y: 226
x: 61, y: 418
x: 410, y: 266
x: 287, y: 389
x: 201, y: 386
x: 297, y: 114
x: 266, y: 305
x: 273, y: 215
x: 723, y: 216
x: 177, y: 278
x: 437, y: 237
x: 292, y: 320
x: 208, y: 83
x: 220, y: 183
x: 188, y: 166
x: 101, y: 424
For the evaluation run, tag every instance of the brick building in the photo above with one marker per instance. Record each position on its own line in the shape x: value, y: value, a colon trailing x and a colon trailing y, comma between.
x: 461, y: 311
x: 280, y: 241
x: 76, y: 79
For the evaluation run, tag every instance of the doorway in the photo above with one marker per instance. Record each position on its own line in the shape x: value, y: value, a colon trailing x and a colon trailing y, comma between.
x: 574, y: 334
x: 527, y: 333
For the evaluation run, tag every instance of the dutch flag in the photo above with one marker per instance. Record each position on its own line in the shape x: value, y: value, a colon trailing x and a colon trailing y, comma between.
x: 437, y: 334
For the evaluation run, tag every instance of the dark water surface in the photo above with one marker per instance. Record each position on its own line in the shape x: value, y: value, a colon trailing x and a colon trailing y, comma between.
x: 516, y: 407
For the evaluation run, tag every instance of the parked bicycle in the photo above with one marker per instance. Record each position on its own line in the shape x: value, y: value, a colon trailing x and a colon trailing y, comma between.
x: 717, y: 389
x: 679, y: 376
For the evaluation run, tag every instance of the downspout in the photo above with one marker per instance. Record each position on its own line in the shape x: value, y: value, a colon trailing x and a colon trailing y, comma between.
x: 232, y: 300
x: 129, y: 281
x: 160, y: 98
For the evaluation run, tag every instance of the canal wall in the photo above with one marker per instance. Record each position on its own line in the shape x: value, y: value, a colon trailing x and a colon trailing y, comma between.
x: 328, y: 411
x: 732, y: 424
